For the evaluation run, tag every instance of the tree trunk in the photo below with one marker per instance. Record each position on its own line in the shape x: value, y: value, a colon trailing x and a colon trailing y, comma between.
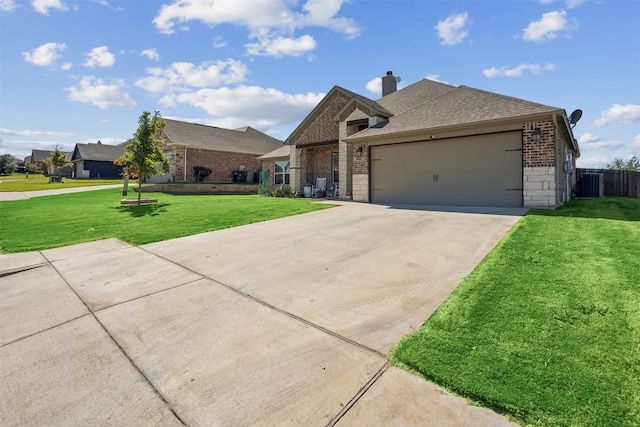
x: 139, y: 188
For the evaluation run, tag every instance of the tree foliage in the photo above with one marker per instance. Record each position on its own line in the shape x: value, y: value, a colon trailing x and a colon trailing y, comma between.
x: 144, y: 156
x: 7, y: 164
x: 58, y: 160
x: 630, y: 164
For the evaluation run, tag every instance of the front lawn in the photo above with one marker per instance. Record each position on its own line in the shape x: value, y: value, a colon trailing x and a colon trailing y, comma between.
x: 20, y: 182
x: 547, y: 328
x: 53, y: 221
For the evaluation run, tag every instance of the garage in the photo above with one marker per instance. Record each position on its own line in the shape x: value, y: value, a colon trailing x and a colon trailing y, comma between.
x: 479, y: 170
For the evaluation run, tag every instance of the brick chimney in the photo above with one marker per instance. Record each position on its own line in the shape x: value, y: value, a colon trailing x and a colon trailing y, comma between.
x: 389, y: 83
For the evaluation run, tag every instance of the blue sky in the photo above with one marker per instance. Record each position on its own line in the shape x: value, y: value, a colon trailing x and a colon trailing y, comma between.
x: 82, y: 71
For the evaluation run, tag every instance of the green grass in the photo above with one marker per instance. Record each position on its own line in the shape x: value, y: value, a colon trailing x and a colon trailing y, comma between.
x: 547, y: 328
x: 53, y: 221
x: 19, y: 182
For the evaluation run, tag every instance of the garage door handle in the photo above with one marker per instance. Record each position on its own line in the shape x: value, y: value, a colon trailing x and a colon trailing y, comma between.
x: 435, y: 177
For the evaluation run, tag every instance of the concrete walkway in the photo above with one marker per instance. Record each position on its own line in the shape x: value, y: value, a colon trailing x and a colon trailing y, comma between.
x: 285, y: 322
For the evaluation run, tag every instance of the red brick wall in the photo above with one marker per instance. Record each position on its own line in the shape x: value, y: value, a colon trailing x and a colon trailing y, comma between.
x: 361, y: 160
x: 541, y: 153
x: 222, y: 164
x: 323, y: 128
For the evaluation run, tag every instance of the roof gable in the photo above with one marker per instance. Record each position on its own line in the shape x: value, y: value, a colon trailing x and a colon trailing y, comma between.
x: 244, y: 140
x: 320, y: 125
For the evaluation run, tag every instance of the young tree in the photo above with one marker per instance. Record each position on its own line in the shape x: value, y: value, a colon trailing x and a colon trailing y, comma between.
x: 7, y: 164
x: 630, y: 164
x: 144, y: 154
x: 58, y: 160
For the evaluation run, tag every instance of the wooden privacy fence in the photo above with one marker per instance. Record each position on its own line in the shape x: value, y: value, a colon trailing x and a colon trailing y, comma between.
x: 621, y: 183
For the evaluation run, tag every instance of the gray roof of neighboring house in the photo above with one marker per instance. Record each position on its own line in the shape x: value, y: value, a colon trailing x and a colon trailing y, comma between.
x: 42, y: 155
x: 98, y: 152
x: 283, y: 151
x: 451, y: 107
x: 244, y: 140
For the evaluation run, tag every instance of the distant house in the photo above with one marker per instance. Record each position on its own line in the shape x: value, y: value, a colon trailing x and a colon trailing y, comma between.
x: 224, y: 151
x: 436, y: 144
x: 38, y: 158
x: 96, y: 160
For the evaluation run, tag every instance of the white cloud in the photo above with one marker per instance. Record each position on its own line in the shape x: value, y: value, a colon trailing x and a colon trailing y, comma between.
x: 100, y: 57
x: 181, y: 76
x: 43, y: 6
x: 636, y: 143
x: 248, y: 105
x: 548, y: 27
x: 281, y: 46
x: 452, y: 30
x: 629, y: 113
x: 45, y: 55
x: 34, y: 133
x: 7, y: 5
x: 587, y: 138
x: 218, y: 42
x: 435, y: 78
x: 517, y: 71
x: 94, y: 91
x: 375, y: 86
x: 589, y: 141
x: 152, y: 54
x: 271, y: 22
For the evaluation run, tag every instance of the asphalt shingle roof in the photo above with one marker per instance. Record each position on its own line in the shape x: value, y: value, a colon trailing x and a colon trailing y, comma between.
x: 98, y: 152
x: 451, y: 107
x: 243, y: 140
x: 41, y: 155
x: 283, y: 151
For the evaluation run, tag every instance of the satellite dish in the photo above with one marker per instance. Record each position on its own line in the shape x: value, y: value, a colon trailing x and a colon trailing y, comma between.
x: 575, y: 116
x: 398, y: 79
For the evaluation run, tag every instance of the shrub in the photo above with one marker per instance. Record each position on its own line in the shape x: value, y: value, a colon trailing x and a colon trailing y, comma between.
x: 201, y: 172
x: 284, y: 191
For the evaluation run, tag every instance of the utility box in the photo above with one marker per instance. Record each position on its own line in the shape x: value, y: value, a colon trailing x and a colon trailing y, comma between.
x: 591, y: 185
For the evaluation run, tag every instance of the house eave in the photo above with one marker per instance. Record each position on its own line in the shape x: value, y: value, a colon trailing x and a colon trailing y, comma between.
x: 515, y: 122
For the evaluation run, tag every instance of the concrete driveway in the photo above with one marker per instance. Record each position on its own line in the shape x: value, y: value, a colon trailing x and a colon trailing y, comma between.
x: 285, y: 322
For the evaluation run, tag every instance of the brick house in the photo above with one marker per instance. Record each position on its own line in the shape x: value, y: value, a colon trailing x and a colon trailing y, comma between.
x: 433, y: 143
x: 224, y: 151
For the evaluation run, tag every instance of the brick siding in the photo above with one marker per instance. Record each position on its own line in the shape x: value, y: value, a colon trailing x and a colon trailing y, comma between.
x: 322, y: 127
x: 222, y: 164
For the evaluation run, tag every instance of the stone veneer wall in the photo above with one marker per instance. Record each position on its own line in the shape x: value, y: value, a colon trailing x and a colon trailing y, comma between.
x: 539, y: 166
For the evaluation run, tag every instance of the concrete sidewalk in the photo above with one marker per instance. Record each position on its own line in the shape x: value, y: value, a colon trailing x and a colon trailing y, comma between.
x: 23, y: 195
x: 282, y: 322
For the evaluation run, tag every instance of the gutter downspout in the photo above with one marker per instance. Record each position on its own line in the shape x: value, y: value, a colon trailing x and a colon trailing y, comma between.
x: 185, y: 164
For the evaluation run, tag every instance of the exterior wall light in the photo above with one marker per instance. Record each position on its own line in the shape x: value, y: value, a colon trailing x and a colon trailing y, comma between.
x: 537, y: 135
x: 359, y: 151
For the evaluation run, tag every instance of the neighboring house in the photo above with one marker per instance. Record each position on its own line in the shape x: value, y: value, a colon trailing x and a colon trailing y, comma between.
x: 38, y: 158
x: 96, y: 160
x: 224, y: 151
x: 432, y: 143
x: 277, y: 163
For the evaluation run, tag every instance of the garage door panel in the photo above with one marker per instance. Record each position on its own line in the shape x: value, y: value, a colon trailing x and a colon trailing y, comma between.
x: 471, y: 171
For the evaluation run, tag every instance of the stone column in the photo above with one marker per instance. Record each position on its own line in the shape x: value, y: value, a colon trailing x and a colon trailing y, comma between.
x: 294, y: 173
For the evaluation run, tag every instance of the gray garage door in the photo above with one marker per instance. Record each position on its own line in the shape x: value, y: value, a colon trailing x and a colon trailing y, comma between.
x: 483, y: 170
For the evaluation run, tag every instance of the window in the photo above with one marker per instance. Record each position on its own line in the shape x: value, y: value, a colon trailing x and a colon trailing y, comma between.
x: 336, y: 167
x: 281, y: 175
